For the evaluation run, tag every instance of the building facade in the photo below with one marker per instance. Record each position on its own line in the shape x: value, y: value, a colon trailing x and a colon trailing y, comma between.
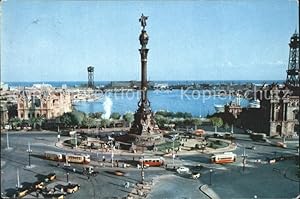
x: 3, y: 114
x: 47, y: 103
x: 278, y: 111
x: 282, y: 106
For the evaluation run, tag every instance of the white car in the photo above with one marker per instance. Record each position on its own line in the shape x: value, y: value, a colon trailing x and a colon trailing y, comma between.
x: 183, y: 170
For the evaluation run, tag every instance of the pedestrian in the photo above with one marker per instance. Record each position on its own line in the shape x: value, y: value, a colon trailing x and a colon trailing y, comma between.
x: 103, y: 158
x: 126, y: 185
x: 166, y: 165
x: 133, y: 158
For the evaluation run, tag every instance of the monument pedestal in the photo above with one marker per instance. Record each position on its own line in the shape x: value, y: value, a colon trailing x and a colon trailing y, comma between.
x: 145, y: 128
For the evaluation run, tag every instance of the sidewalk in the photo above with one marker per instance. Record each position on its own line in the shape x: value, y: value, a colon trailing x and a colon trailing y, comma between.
x: 78, y: 149
x: 208, y: 191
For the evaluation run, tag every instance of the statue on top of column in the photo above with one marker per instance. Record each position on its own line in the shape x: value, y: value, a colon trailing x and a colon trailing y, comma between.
x: 143, y: 21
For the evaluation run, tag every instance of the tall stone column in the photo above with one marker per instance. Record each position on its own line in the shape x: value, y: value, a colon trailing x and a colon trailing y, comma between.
x: 144, y: 124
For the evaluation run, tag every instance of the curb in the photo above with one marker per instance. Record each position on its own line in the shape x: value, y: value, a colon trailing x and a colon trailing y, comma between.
x: 205, y: 189
x: 201, y: 189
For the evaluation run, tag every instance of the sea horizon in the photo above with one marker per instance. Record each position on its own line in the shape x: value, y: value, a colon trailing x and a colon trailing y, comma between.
x: 171, y: 82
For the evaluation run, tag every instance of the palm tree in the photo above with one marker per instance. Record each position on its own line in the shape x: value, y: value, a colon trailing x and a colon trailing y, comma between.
x: 39, y: 121
x: 33, y: 122
x: 15, y: 122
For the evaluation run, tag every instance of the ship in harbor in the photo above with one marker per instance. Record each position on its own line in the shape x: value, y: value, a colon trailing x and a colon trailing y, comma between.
x: 255, y: 103
x: 219, y: 108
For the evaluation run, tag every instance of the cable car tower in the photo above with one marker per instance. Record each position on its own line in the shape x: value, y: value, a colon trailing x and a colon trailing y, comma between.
x: 292, y: 78
x: 90, y: 70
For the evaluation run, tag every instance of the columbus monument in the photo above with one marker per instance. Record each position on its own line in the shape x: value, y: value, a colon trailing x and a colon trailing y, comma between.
x: 144, y: 127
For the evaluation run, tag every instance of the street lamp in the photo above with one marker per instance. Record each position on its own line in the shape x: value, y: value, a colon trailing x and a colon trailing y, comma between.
x: 75, y: 137
x: 173, y: 155
x: 142, y: 171
x: 58, y: 136
x: 29, y: 151
x: 210, y: 173
x: 112, y: 155
x: 244, y: 159
x: 18, y: 180
x: 68, y: 177
x: 7, y: 141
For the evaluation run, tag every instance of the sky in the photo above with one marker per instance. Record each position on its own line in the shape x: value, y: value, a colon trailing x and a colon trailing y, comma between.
x: 55, y: 40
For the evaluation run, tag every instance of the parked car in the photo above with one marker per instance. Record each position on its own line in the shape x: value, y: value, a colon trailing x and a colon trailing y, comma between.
x: 39, y: 185
x: 23, y: 192
x: 251, y: 147
x: 195, y: 175
x: 281, y: 144
x: 217, y: 135
x: 183, y: 170
x: 229, y: 136
x: 89, y: 171
x: 51, y: 176
x: 72, y: 188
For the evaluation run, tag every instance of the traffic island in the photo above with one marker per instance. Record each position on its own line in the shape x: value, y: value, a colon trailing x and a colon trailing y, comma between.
x: 140, y: 190
x: 206, y: 189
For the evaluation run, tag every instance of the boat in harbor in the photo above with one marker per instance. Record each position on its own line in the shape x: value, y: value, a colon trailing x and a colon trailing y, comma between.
x: 219, y: 108
x: 254, y: 103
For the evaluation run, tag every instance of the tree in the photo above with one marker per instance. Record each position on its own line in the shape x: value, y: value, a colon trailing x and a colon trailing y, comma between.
x: 77, y: 118
x: 129, y: 118
x: 66, y: 120
x: 25, y: 123
x: 39, y: 121
x: 197, y: 122
x: 32, y: 122
x: 226, y: 117
x: 15, y: 122
x: 161, y: 120
x: 226, y: 126
x: 113, y: 122
x: 88, y: 122
x: 72, y: 119
x: 96, y: 115
x: 115, y: 116
x: 105, y: 123
x: 216, y: 122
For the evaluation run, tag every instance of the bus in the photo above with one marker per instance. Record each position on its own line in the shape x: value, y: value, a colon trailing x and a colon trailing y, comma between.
x: 228, y: 157
x: 52, y: 155
x: 152, y: 161
x: 78, y: 158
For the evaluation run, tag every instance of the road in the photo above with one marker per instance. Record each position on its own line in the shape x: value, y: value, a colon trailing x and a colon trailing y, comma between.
x: 228, y: 181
